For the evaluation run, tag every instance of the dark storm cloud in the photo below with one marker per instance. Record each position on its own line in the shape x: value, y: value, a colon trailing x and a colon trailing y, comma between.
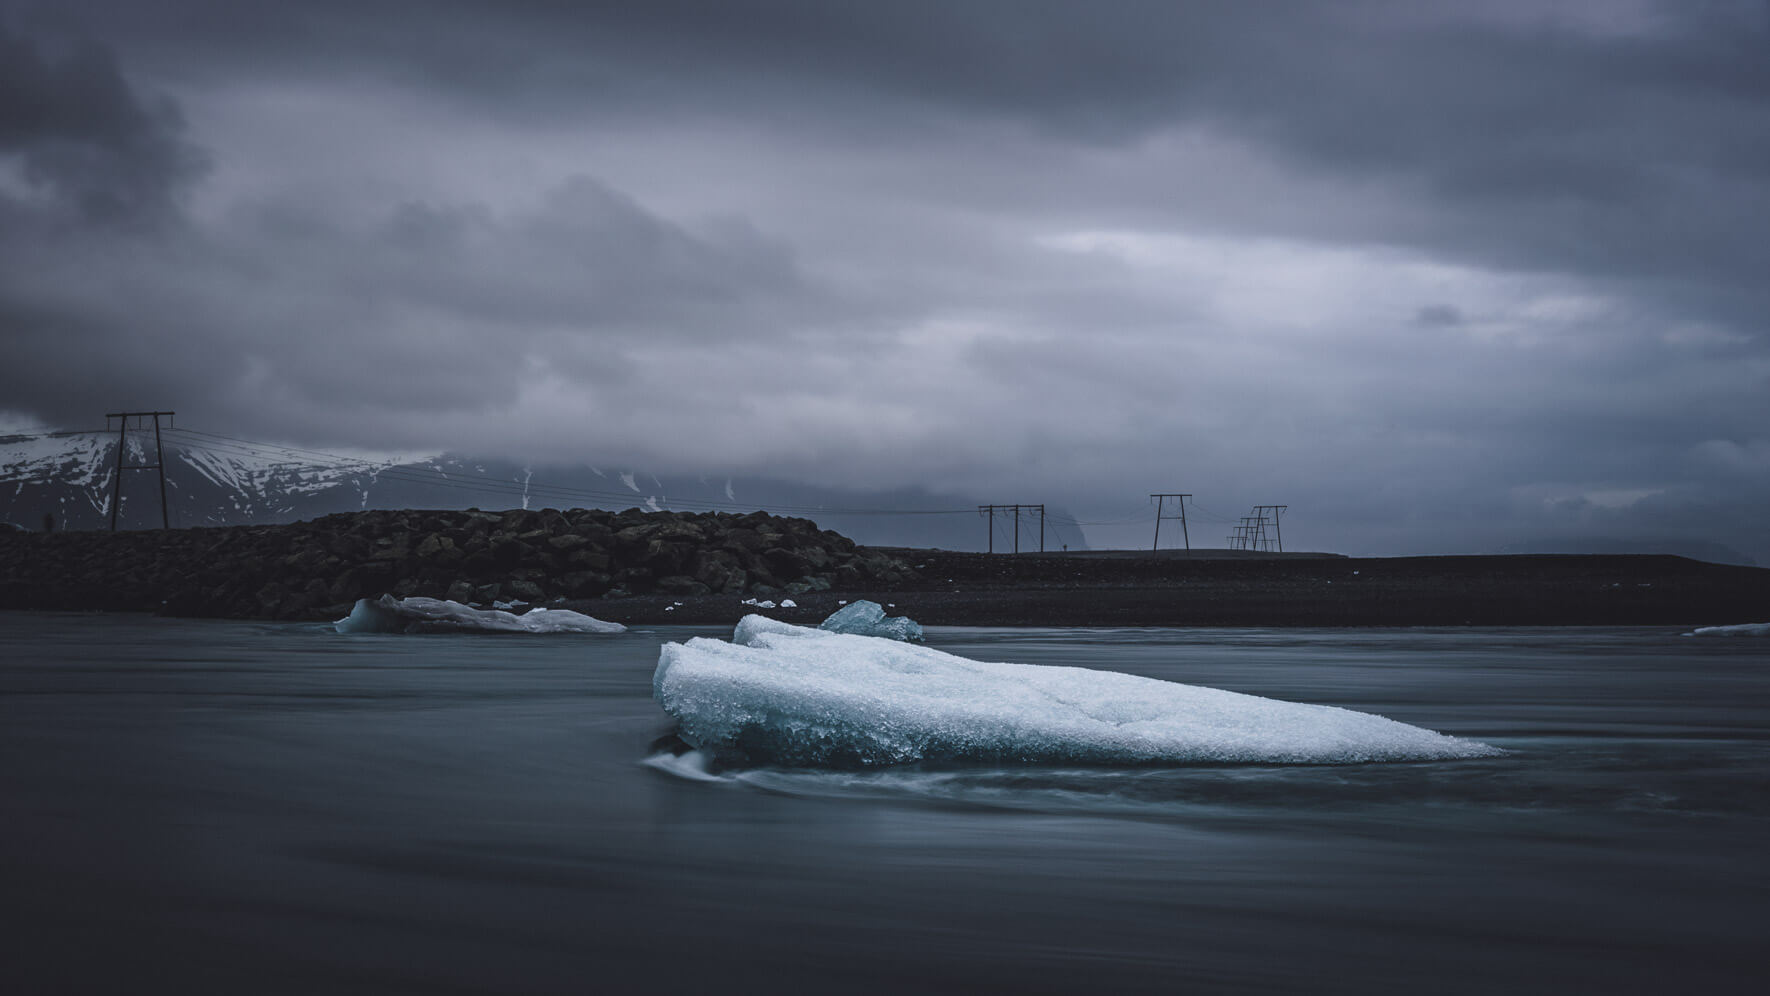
x: 1500, y: 260
x: 84, y: 136
x: 1595, y: 139
x: 387, y: 319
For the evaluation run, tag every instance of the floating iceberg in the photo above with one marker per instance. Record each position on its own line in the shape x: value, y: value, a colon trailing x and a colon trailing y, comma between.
x: 434, y: 615
x: 865, y: 618
x: 1744, y: 629
x: 798, y: 697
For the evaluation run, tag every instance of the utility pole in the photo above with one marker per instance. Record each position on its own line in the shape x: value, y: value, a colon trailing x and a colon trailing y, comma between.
x: 1250, y: 533
x: 990, y: 511
x: 1261, y: 510
x: 1159, y: 517
x: 159, y: 463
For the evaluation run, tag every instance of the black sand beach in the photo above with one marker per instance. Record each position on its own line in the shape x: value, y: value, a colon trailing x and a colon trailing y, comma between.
x: 1136, y: 589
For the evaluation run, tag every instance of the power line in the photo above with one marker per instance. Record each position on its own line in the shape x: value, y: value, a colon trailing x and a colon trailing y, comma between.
x: 1218, y: 516
x: 286, y: 458
x: 11, y: 437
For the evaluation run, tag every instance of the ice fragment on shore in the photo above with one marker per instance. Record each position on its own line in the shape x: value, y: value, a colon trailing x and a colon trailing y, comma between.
x: 799, y: 697
x: 434, y: 615
x: 1743, y: 629
x: 865, y: 618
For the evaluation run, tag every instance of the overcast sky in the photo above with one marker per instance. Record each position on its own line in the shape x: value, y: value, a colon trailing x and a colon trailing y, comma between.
x: 1441, y: 277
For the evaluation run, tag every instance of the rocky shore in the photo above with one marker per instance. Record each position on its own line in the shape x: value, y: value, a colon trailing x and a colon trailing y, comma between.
x: 651, y: 568
x: 317, y: 569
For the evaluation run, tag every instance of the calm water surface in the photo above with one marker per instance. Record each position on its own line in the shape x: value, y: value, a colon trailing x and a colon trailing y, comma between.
x: 224, y: 807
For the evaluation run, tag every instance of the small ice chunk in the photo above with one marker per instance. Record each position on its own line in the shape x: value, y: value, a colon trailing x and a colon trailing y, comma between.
x: 1743, y: 629
x: 764, y: 604
x: 787, y: 603
x: 435, y: 615
x: 865, y: 618
x: 801, y: 697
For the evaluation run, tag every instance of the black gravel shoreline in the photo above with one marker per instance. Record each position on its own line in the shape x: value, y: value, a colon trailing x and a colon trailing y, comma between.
x: 645, y: 568
x: 1572, y: 590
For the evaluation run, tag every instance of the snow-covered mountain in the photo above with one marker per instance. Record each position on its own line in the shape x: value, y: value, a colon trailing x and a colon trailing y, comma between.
x: 213, y: 481
x: 72, y: 475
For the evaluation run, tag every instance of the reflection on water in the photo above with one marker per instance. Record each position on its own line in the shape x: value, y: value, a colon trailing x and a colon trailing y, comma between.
x: 236, y: 807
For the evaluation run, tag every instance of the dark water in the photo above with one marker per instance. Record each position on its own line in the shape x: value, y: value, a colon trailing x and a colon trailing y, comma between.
x: 221, y: 807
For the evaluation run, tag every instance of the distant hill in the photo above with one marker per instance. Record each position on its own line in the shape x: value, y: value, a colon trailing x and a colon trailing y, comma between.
x: 214, y: 481
x: 1695, y: 549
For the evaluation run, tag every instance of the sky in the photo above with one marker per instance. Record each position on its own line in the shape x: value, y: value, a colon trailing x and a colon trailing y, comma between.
x: 1442, y: 277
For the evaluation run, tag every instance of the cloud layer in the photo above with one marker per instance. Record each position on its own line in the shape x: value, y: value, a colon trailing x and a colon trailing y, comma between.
x: 1439, y: 279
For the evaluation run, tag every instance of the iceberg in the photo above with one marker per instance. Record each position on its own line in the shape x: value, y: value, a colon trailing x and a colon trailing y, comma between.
x: 865, y: 618
x: 793, y: 696
x: 1743, y: 629
x: 435, y: 615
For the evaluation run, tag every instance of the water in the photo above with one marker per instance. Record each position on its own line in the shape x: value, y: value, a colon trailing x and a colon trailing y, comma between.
x: 207, y: 806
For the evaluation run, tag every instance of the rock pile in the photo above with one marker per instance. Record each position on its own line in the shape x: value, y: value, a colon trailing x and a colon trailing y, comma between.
x: 319, y: 568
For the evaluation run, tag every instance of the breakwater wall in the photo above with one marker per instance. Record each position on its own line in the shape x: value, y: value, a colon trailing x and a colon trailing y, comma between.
x: 316, y: 569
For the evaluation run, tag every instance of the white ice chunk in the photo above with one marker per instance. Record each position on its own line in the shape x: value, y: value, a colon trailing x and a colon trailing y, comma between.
x: 751, y: 627
x: 787, y: 603
x: 1743, y: 629
x: 865, y: 618
x: 800, y: 697
x: 435, y: 615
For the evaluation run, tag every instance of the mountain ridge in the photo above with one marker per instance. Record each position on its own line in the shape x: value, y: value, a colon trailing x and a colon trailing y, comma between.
x: 214, y: 480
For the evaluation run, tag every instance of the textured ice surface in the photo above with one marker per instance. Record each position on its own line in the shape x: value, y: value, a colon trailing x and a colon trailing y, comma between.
x: 1744, y: 629
x: 865, y: 618
x: 800, y: 697
x: 435, y: 615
